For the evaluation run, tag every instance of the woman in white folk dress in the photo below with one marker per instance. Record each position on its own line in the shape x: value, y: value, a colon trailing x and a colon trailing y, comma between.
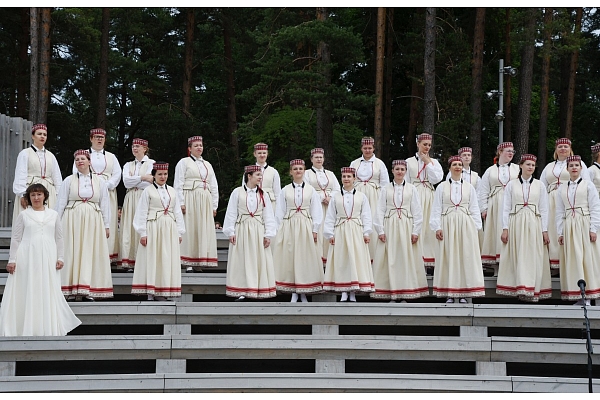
x: 271, y: 182
x: 455, y: 219
x: 198, y: 194
x: 84, y: 207
x: 524, y: 262
x: 250, y: 225
x: 325, y: 183
x: 36, y: 164
x: 423, y: 173
x: 297, y: 259
x: 348, y: 228
x: 577, y: 224
x: 594, y: 169
x: 553, y: 176
x: 490, y: 191
x: 159, y: 222
x: 33, y: 303
x: 136, y: 177
x: 105, y: 165
x: 371, y: 176
x: 398, y: 269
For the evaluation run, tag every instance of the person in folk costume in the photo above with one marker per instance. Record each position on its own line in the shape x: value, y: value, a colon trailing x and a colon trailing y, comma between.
x: 424, y: 172
x: 271, y: 182
x: 524, y: 262
x: 84, y: 207
x: 455, y: 219
x: 325, y: 183
x: 250, y: 225
x: 594, y: 170
x: 553, y: 176
x: 371, y: 176
x: 33, y: 303
x: 490, y: 192
x: 348, y: 228
x: 106, y: 166
x: 198, y: 194
x: 136, y: 177
x: 36, y: 164
x: 159, y: 222
x: 577, y: 221
x: 398, y: 268
x: 298, y: 268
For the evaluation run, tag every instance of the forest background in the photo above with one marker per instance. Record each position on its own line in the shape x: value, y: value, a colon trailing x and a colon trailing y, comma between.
x: 298, y: 78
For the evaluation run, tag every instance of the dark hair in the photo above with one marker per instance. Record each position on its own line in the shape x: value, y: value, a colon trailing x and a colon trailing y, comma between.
x: 36, y: 188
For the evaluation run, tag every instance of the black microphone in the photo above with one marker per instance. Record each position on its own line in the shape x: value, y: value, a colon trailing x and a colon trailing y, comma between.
x: 581, y: 284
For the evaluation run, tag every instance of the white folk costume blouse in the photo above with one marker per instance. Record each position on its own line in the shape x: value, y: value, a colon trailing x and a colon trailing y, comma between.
x: 133, y: 170
x: 84, y: 188
x: 399, y: 201
x: 301, y: 198
x: 460, y: 193
x: 421, y: 174
x: 345, y: 209
x: 574, y: 203
x: 151, y: 208
x: 192, y: 172
x: 324, y: 181
x: 515, y: 202
x: 106, y: 165
x: 370, y: 172
x: 34, y: 164
x: 234, y: 215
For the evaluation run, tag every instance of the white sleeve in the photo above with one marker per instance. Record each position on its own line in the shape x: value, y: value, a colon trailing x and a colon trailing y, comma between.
x: 74, y: 169
x: 105, y: 204
x: 594, y: 206
x: 276, y: 183
x: 144, y: 184
x: 16, y: 237
x: 483, y: 190
x: 435, y: 173
x: 417, y: 212
x: 178, y: 181
x: 365, y: 215
x: 474, y: 209
x: 316, y: 210
x: 435, y: 219
x: 269, y: 218
x: 280, y: 208
x: 384, y: 176
x: 328, y: 226
x: 585, y: 173
x: 140, y: 217
x: 543, y: 178
x: 336, y: 185
x: 130, y: 181
x: 379, y: 214
x: 58, y: 237
x: 507, y: 204
x: 214, y: 187
x: 63, y: 196
x: 448, y: 175
x: 115, y: 177
x: 231, y: 214
x: 56, y: 175
x: 544, y: 208
x: 179, y: 218
x: 20, y: 182
x: 559, y: 217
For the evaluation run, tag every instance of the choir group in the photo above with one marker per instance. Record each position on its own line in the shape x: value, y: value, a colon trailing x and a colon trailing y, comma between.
x: 368, y: 235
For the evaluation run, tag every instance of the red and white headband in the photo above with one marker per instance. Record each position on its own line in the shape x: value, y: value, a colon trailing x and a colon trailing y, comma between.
x: 317, y: 150
x: 453, y: 159
x: 465, y: 150
x: 38, y: 126
x: 252, y: 168
x: 261, y: 146
x: 194, y: 139
x: 398, y: 162
x: 97, y: 131
x: 296, y: 162
x: 141, y: 142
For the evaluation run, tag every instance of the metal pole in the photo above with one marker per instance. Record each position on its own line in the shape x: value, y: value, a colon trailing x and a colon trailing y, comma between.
x: 501, y: 101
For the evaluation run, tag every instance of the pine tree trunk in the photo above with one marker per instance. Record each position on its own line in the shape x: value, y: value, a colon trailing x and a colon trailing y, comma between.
x: 387, y: 123
x: 23, y: 67
x: 188, y: 60
x: 325, y: 108
x: 45, y: 53
x: 507, y: 127
x: 545, y: 89
x: 231, y: 109
x: 103, y: 73
x: 379, y: 75
x: 521, y: 138
x: 573, y: 62
x: 34, y: 94
x: 429, y: 69
x: 477, y: 75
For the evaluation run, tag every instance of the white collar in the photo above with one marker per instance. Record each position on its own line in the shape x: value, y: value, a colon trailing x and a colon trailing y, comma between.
x: 373, y: 158
x: 252, y: 190
x: 35, y: 148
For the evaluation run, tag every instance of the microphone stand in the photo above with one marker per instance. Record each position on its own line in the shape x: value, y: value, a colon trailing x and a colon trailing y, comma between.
x: 588, y: 343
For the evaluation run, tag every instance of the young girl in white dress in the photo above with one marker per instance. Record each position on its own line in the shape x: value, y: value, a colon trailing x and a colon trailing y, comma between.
x: 398, y: 269
x: 490, y: 191
x: 524, y: 262
x: 159, y: 222
x: 250, y: 225
x: 424, y: 172
x: 105, y: 165
x: 371, y: 176
x: 198, y: 194
x: 136, y: 177
x: 271, y: 182
x: 552, y: 177
x: 348, y: 228
x: 36, y: 164
x: 455, y: 219
x: 298, y: 264
x: 577, y: 224
x: 84, y: 207
x: 33, y: 303
x: 325, y: 183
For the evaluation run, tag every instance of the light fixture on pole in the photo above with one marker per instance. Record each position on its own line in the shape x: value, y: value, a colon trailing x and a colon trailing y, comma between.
x: 499, y: 117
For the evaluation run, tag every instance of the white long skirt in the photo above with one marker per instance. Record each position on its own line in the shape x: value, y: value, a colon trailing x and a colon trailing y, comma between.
x: 554, y: 249
x: 490, y: 249
x: 398, y: 268
x: 427, y: 239
x: 199, y: 244
x: 524, y: 264
x: 373, y: 197
x: 130, y: 239
x: 113, y: 240
x: 298, y: 264
x: 458, y: 271
x: 158, y: 270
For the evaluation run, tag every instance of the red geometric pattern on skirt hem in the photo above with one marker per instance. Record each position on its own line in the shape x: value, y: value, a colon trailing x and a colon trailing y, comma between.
x: 489, y: 259
x: 400, y: 294
x: 524, y: 293
x: 429, y: 262
x: 251, y: 293
x: 554, y: 264
x: 459, y: 292
x: 576, y: 294
x: 305, y: 288
x: 126, y: 263
x: 160, y: 291
x: 114, y: 257
x: 200, y: 262
x: 364, y: 287
x: 85, y: 290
